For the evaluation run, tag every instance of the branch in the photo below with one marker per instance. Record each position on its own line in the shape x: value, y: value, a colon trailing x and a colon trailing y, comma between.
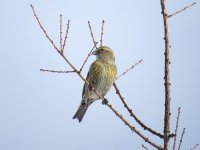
x: 133, y: 66
x: 181, y: 140
x: 92, y: 35
x: 134, y: 116
x: 66, y: 34
x: 167, y: 77
x: 87, y: 57
x: 194, y: 147
x: 101, y: 97
x: 183, y: 9
x: 144, y: 147
x: 177, y: 121
x: 61, y: 47
x: 102, y: 32
x: 55, y: 71
x: 48, y: 37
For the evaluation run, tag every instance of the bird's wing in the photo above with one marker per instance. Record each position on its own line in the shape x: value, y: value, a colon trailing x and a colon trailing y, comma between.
x: 93, y: 75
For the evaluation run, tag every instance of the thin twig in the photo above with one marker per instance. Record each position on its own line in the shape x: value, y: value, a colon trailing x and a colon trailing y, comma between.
x: 87, y: 57
x: 48, y: 37
x: 177, y: 122
x: 134, y: 116
x: 102, y: 32
x: 194, y: 147
x: 144, y: 147
x: 167, y: 76
x: 66, y: 34
x: 129, y: 69
x: 183, y: 9
x: 101, y: 97
x: 55, y: 71
x: 61, y: 47
x: 92, y: 35
x: 181, y: 140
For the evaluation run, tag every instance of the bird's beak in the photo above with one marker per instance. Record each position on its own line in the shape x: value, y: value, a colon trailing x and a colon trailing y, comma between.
x: 95, y: 52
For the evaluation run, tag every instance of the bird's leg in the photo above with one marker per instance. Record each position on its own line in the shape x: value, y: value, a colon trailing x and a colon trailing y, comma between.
x: 105, y: 101
x: 90, y: 87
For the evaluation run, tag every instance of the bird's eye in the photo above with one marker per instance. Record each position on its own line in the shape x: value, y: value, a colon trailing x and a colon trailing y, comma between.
x: 101, y: 50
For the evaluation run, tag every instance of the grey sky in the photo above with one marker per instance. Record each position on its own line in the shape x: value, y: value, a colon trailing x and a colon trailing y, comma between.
x: 36, y: 108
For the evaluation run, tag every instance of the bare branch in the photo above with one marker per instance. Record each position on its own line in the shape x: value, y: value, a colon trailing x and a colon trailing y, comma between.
x: 194, y: 147
x: 87, y: 57
x: 177, y: 121
x: 66, y: 34
x: 181, y: 140
x: 167, y: 76
x: 144, y: 147
x: 134, y: 129
x: 134, y: 116
x: 55, y: 71
x: 181, y: 10
x: 102, y: 32
x: 61, y: 47
x: 133, y: 66
x: 48, y: 37
x: 92, y: 35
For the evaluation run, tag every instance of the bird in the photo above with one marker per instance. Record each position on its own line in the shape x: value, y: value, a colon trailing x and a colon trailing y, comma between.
x: 101, y: 76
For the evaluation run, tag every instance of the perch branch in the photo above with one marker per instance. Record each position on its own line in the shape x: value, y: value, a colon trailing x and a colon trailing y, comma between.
x: 177, y: 122
x: 181, y: 10
x: 133, y: 66
x: 134, y: 116
x: 181, y: 140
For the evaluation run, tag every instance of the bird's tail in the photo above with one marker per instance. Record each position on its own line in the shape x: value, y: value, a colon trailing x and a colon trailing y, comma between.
x: 81, y: 110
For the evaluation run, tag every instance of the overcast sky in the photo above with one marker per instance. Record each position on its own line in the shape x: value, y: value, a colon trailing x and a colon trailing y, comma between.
x: 36, y: 108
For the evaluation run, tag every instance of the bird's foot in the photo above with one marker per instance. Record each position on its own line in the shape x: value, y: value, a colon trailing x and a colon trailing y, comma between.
x: 105, y: 101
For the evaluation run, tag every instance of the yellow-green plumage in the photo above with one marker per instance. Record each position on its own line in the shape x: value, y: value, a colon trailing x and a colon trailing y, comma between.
x: 101, y: 76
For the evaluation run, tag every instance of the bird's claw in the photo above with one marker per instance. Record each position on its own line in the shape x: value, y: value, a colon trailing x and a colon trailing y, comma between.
x: 105, y: 101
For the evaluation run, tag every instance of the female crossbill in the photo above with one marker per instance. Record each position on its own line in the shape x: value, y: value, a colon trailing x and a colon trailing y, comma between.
x: 101, y: 76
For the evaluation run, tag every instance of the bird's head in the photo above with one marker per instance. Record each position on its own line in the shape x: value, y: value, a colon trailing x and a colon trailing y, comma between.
x: 104, y: 53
